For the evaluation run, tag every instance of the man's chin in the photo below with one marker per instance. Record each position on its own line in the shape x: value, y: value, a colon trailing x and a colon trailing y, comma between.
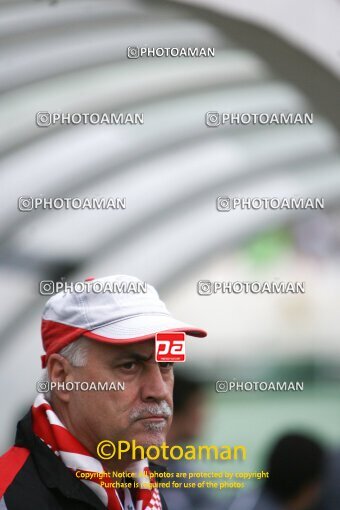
x: 153, y: 427
x: 151, y: 438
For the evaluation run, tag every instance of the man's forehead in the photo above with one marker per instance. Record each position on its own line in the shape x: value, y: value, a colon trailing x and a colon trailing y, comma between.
x: 145, y: 347
x: 142, y: 347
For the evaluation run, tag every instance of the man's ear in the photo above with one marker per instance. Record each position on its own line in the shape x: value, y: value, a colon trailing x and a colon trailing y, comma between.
x: 60, y: 372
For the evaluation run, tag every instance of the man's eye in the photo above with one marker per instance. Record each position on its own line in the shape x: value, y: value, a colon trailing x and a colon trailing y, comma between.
x: 166, y: 365
x: 129, y: 365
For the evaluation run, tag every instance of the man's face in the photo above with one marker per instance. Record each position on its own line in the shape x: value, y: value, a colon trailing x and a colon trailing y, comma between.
x: 142, y: 411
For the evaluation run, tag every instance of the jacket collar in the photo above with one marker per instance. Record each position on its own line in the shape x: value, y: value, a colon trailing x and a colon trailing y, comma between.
x: 53, y: 473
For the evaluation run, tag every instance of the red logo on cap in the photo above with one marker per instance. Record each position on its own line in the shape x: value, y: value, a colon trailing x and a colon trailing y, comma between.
x: 170, y: 347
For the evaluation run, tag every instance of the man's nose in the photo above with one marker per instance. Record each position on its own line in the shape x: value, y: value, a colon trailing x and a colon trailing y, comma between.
x: 154, y: 386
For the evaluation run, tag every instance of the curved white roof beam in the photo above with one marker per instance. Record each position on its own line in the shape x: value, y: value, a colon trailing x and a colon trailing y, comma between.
x: 30, y: 17
x: 18, y: 287
x: 155, y: 186
x: 64, y: 51
x: 81, y: 154
x: 119, y: 85
x: 186, y: 113
x: 178, y: 240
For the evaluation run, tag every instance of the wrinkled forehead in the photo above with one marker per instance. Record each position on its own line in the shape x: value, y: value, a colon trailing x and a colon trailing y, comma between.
x: 144, y: 349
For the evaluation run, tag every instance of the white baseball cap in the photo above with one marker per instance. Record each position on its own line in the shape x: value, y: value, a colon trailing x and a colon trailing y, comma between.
x: 117, y: 309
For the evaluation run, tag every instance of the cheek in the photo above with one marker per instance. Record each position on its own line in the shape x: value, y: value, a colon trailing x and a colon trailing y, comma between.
x: 86, y: 404
x: 169, y: 424
x: 102, y: 413
x: 113, y: 406
x: 170, y: 393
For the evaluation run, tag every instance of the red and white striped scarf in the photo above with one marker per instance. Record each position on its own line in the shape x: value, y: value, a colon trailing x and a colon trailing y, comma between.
x: 74, y: 455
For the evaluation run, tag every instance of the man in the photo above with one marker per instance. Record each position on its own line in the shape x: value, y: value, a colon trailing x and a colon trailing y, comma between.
x: 94, y: 337
x: 295, y: 469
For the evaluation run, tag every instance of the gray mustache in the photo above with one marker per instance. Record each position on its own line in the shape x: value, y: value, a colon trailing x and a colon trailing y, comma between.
x: 161, y: 409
